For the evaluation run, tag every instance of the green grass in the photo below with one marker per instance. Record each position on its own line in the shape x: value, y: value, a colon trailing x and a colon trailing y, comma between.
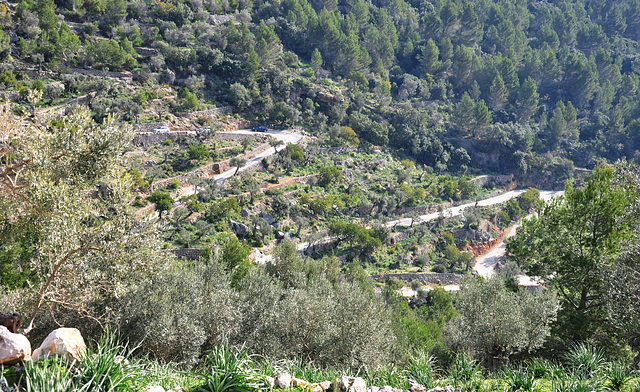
x: 110, y: 366
x: 228, y: 370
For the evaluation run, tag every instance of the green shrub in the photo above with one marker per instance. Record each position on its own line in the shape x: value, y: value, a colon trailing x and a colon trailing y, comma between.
x: 106, y: 367
x: 198, y: 152
x: 585, y: 360
x: 227, y: 370
x: 464, y: 368
x: 518, y: 380
x: 51, y: 375
x: 617, y: 376
x: 421, y: 368
x: 539, y: 367
x: 162, y: 200
x: 570, y: 384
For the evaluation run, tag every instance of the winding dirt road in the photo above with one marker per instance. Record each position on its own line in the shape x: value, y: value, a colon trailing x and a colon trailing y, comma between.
x: 485, y: 264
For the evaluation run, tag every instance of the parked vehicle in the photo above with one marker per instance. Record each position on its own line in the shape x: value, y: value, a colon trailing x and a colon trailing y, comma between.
x: 260, y: 128
x: 161, y: 130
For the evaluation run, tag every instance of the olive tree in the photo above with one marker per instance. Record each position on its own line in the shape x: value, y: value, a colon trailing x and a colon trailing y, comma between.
x: 84, y: 247
x: 496, y: 323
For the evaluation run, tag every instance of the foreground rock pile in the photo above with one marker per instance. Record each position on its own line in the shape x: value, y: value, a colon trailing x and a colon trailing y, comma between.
x: 342, y: 384
x: 346, y: 384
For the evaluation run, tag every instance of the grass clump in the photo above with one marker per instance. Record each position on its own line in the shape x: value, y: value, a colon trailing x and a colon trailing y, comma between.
x: 228, y: 370
x: 519, y: 380
x: 422, y: 369
x: 585, y: 361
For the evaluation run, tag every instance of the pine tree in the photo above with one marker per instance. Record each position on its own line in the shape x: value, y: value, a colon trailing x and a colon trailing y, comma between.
x: 471, y: 28
x: 446, y: 53
x: 475, y: 91
x: 557, y: 127
x: 509, y: 73
x: 497, y: 93
x: 483, y: 117
x: 615, y: 23
x: 464, y: 117
x: 253, y: 64
x: 527, y: 102
x: 429, y: 57
x: 316, y: 59
x: 571, y: 119
x: 463, y: 59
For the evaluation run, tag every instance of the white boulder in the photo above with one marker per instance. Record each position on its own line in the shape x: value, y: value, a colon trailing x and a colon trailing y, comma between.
x: 283, y: 380
x: 14, y: 348
x: 64, y: 342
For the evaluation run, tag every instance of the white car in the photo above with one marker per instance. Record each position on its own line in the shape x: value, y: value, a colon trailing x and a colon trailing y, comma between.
x: 161, y: 130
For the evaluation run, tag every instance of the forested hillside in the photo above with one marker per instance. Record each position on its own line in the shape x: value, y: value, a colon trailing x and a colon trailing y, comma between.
x: 517, y: 79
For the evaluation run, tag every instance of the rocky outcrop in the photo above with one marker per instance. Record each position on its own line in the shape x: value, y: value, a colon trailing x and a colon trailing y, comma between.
x: 478, y: 249
x: 14, y: 348
x: 239, y: 229
x: 64, y: 342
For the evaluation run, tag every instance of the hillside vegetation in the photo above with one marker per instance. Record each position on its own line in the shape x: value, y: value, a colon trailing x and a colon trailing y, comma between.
x: 134, y: 201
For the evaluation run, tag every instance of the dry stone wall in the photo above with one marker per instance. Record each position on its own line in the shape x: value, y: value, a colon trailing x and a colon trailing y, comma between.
x: 425, y: 278
x: 187, y: 253
x: 146, y: 139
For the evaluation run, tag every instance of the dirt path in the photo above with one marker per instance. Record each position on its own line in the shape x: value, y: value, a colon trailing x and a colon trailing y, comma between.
x: 485, y: 264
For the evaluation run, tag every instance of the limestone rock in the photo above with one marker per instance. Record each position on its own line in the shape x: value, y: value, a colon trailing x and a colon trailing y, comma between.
x: 14, y: 348
x: 350, y: 384
x: 283, y: 380
x: 358, y: 385
x: 67, y: 342
x: 373, y: 388
x: 298, y: 382
x: 270, y: 381
x: 238, y: 228
x: 448, y: 388
x: 316, y: 388
x: 269, y: 218
x: 179, y: 389
x: 415, y: 386
x: 153, y: 388
x: 244, y: 212
x: 279, y: 235
x: 325, y: 385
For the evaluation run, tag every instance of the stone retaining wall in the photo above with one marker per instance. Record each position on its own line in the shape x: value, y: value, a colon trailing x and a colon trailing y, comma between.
x: 187, y: 253
x: 146, y: 139
x: 497, y: 181
x: 228, y: 136
x: 425, y: 278
x: 210, y: 112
